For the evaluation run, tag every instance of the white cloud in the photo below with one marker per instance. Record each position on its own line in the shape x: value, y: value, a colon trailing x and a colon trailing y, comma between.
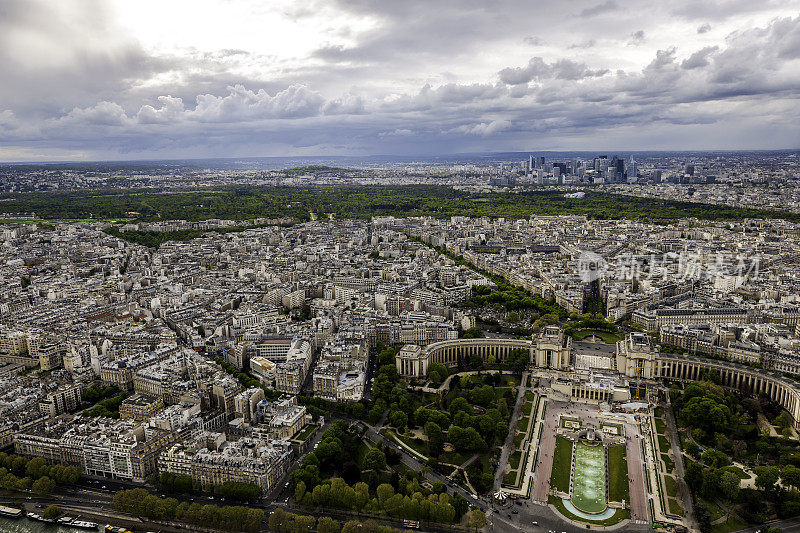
x: 484, y: 129
x: 242, y: 104
x: 7, y: 120
x: 102, y: 114
x: 171, y: 109
x: 348, y: 104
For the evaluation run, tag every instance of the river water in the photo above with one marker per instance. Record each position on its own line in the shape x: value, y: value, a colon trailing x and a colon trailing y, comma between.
x: 24, y: 525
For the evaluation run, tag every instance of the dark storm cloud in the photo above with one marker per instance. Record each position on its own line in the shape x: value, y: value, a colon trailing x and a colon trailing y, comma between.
x: 44, y: 60
x: 636, y: 38
x: 721, y: 9
x: 538, y: 69
x: 699, y: 58
x: 605, y: 7
x: 424, y: 77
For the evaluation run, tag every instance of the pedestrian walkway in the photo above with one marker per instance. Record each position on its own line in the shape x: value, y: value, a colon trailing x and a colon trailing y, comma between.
x: 512, y: 425
x: 445, y: 386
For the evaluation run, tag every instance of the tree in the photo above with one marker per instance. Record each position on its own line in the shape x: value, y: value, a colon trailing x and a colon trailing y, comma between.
x: 783, y: 420
x: 710, y: 486
x: 473, y: 333
x: 279, y: 520
x: 693, y: 449
x: 352, y: 526
x: 422, y: 416
x: 518, y: 361
x: 52, y: 512
x: 36, y: 468
x: 329, y: 451
x: 476, y: 519
x: 729, y: 484
x: 738, y: 448
x: 303, y: 524
x: 482, y: 482
x: 466, y: 439
x: 44, y: 486
x: 437, y: 373
x: 475, y: 361
x: 384, y: 492
x: 398, y: 419
x: 706, y: 413
x: 790, y: 475
x: 766, y: 477
x: 694, y: 476
x: 351, y: 472
x: 715, y: 458
x: 460, y: 504
x: 327, y: 524
x: 703, y: 516
x: 375, y: 459
x: 238, y: 491
x: 299, y: 491
x: 482, y: 395
x: 459, y: 404
x: 435, y: 438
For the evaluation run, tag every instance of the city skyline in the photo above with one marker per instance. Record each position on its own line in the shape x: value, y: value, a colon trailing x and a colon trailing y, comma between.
x: 116, y: 81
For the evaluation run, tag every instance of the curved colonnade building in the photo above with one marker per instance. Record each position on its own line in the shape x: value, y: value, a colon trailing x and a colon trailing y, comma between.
x: 635, y: 357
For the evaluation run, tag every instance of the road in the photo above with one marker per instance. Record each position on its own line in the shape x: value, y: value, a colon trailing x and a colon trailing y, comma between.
x: 281, y: 492
x: 674, y: 439
x: 512, y: 433
x: 91, y: 497
x: 790, y: 525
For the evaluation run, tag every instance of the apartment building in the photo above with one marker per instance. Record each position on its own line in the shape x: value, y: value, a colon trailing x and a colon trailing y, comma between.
x: 65, y: 399
x: 258, y: 462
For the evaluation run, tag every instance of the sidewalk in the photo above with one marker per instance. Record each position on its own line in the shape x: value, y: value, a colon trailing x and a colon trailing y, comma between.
x: 683, y: 488
x: 512, y: 431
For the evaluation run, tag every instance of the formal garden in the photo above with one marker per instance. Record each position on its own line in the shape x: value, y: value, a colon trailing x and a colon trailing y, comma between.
x: 595, y: 476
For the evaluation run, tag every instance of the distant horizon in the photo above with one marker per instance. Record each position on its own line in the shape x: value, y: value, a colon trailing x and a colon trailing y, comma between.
x: 398, y: 157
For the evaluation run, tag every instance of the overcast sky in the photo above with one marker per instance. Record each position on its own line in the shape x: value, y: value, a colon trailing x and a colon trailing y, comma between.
x: 94, y: 79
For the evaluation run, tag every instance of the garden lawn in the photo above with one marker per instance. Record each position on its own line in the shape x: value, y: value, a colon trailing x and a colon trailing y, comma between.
x: 674, y: 507
x: 618, y: 484
x: 562, y: 465
x: 672, y: 486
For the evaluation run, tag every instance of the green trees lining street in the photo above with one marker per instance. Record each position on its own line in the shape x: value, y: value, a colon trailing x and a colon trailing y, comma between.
x: 21, y: 473
x: 139, y: 502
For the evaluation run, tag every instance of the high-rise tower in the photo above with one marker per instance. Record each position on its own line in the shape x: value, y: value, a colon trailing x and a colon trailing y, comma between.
x: 632, y: 172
